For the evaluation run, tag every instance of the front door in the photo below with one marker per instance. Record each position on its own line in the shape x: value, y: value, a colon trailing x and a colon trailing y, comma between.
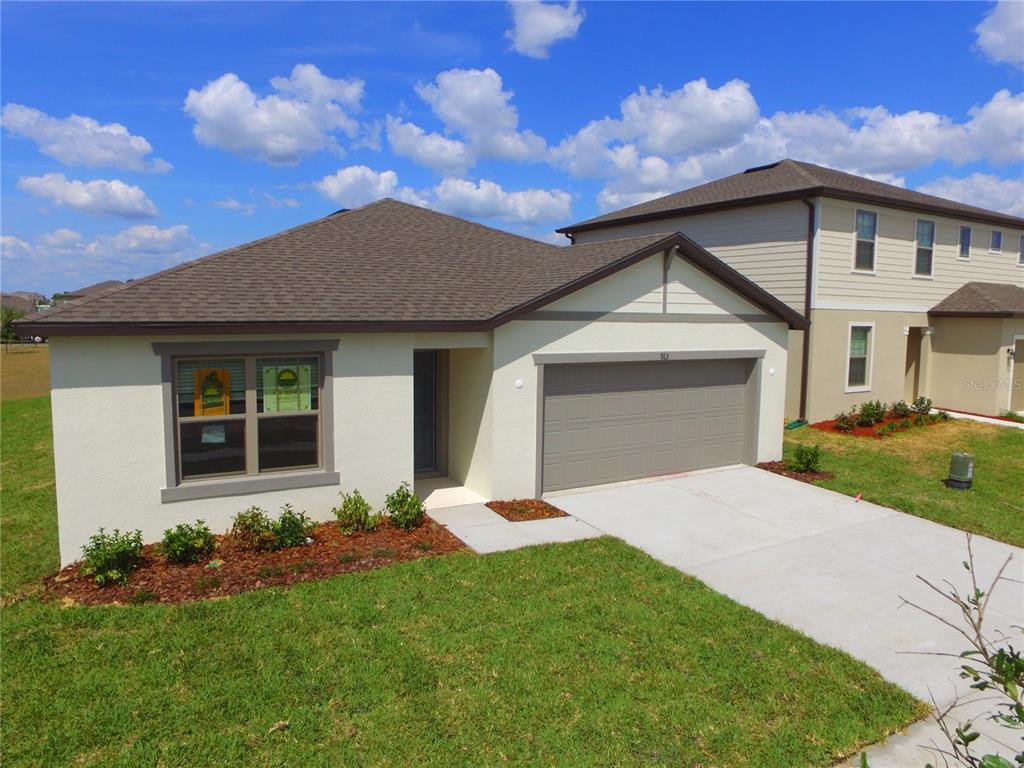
x: 424, y: 410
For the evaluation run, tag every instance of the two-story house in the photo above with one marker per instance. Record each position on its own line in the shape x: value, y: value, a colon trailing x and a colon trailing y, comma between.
x: 908, y: 294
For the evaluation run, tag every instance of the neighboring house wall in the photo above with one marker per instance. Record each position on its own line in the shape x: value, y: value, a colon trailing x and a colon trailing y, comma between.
x: 623, y: 331
x: 965, y: 373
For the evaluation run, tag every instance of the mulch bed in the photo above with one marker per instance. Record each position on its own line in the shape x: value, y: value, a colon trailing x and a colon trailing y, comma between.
x: 779, y: 468
x: 830, y: 426
x: 986, y: 415
x: 241, y: 570
x: 520, y: 510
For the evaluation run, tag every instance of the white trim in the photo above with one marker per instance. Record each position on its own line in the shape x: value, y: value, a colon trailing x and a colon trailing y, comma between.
x: 869, y: 367
x: 991, y: 237
x: 959, y: 238
x: 913, y: 262
x: 856, y: 239
x: 860, y: 307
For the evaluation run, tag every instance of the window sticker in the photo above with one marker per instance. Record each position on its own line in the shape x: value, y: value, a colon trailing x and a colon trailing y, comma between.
x: 287, y: 388
x: 213, y: 434
x: 213, y: 392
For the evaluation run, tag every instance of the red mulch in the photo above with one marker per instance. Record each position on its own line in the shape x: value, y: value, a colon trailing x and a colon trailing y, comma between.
x: 518, y: 510
x: 830, y: 426
x: 779, y: 468
x: 330, y: 554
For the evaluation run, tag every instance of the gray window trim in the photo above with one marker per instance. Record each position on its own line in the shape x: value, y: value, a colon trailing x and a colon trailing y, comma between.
x: 235, y: 485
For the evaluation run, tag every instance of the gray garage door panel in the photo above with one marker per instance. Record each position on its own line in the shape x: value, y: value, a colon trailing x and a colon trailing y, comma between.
x: 608, y: 422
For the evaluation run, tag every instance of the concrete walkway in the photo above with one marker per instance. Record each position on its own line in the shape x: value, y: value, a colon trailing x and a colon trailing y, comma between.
x: 485, y: 531
x: 825, y: 564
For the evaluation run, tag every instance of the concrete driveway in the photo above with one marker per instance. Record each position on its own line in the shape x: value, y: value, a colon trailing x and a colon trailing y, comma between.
x: 821, y: 562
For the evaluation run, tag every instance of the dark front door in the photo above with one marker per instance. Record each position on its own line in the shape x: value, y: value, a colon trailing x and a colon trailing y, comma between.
x: 424, y: 410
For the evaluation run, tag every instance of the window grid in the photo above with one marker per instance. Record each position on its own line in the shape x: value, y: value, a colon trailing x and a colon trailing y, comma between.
x: 866, y: 225
x: 925, y: 250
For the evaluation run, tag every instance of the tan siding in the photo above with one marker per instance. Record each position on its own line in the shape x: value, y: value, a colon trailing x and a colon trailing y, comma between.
x: 766, y: 243
x: 893, y: 283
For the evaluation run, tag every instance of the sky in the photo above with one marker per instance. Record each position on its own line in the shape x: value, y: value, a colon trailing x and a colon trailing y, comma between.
x: 139, y: 135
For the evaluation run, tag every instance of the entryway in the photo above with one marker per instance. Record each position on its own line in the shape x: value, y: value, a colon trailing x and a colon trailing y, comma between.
x: 429, y: 411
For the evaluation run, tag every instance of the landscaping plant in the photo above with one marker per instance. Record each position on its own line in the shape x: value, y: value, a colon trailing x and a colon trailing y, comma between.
x: 922, y: 405
x: 187, y: 543
x: 404, y: 508
x: 291, y: 529
x: 846, y: 421
x: 1011, y: 415
x: 806, y: 458
x: 874, y: 411
x: 253, y: 529
x: 355, y: 514
x: 110, y: 557
x: 901, y: 409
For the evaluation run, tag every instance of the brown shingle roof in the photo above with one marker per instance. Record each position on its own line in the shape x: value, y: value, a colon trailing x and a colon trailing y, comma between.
x: 786, y: 180
x: 982, y: 300
x: 385, y: 266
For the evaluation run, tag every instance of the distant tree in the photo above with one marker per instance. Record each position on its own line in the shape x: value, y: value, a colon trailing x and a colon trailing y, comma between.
x: 10, y: 332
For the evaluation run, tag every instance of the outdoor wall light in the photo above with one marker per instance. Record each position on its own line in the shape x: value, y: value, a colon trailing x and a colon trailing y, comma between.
x: 519, y: 383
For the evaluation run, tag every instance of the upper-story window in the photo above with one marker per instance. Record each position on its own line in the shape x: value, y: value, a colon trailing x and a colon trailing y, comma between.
x: 1020, y: 252
x: 965, y: 242
x: 867, y: 233
x: 925, y: 248
x: 997, y: 241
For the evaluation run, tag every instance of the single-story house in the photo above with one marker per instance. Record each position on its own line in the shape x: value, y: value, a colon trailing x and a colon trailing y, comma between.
x: 390, y: 342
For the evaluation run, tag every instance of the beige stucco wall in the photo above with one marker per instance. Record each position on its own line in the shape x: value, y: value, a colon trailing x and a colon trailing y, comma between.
x: 972, y: 369
x: 470, y: 418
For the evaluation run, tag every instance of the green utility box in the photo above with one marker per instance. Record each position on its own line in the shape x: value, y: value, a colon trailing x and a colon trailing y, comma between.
x: 961, y: 471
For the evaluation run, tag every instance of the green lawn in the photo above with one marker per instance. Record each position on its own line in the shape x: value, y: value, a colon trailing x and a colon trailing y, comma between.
x: 579, y: 654
x: 906, y: 471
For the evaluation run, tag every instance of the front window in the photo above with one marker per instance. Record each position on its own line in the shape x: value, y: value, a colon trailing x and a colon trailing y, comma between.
x: 997, y: 241
x: 925, y: 248
x: 858, y: 363
x: 867, y: 229
x: 965, y: 242
x: 247, y: 415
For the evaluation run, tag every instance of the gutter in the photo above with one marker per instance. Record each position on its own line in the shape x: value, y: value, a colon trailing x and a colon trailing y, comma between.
x: 805, y: 357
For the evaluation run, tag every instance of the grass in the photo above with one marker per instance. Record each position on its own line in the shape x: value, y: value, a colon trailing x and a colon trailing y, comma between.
x: 906, y: 471
x: 588, y: 653
x: 24, y: 371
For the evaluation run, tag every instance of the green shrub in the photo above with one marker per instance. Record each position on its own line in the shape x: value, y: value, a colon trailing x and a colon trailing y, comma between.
x: 922, y: 405
x: 886, y: 429
x: 291, y: 529
x: 905, y: 424
x: 806, y: 458
x: 404, y: 508
x: 920, y: 420
x: 901, y: 409
x: 1011, y: 415
x: 871, y: 412
x: 846, y: 420
x: 356, y: 514
x: 253, y: 529
x: 187, y: 543
x: 111, y: 557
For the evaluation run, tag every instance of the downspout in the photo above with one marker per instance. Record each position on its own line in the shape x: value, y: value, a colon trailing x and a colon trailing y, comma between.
x: 806, y: 353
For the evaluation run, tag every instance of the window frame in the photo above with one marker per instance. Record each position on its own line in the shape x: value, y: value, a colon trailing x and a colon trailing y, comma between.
x: 252, y: 480
x: 868, y: 359
x: 992, y: 241
x: 917, y: 247
x: 960, y: 243
x: 1020, y: 250
x: 874, y: 243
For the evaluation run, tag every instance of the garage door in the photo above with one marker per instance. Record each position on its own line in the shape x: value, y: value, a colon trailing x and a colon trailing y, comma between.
x: 607, y: 422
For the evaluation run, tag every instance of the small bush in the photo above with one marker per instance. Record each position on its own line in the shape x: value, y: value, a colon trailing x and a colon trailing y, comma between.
x: 187, y: 543
x: 922, y: 405
x: 846, y: 421
x: 806, y: 458
x: 901, y: 409
x: 886, y: 429
x: 253, y: 529
x: 404, y: 508
x: 356, y: 514
x: 111, y: 557
x: 905, y: 424
x: 1011, y: 415
x: 143, y: 596
x: 871, y: 412
x: 291, y: 529
x: 920, y: 420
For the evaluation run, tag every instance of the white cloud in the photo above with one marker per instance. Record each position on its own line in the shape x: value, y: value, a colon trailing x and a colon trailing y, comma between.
x: 488, y: 200
x: 231, y: 204
x: 77, y: 140
x: 358, y: 185
x: 302, y: 117
x: 981, y: 189
x: 1001, y: 33
x: 99, y: 197
x: 538, y: 26
x: 280, y: 202
x: 14, y: 248
x: 474, y: 108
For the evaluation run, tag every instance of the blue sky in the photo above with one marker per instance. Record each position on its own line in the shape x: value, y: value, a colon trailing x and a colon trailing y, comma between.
x: 201, y: 126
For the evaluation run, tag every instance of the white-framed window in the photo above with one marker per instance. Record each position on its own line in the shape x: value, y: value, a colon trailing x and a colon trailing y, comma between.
x: 925, y: 250
x: 996, y: 243
x: 965, y: 243
x: 866, y: 233
x: 858, y: 357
